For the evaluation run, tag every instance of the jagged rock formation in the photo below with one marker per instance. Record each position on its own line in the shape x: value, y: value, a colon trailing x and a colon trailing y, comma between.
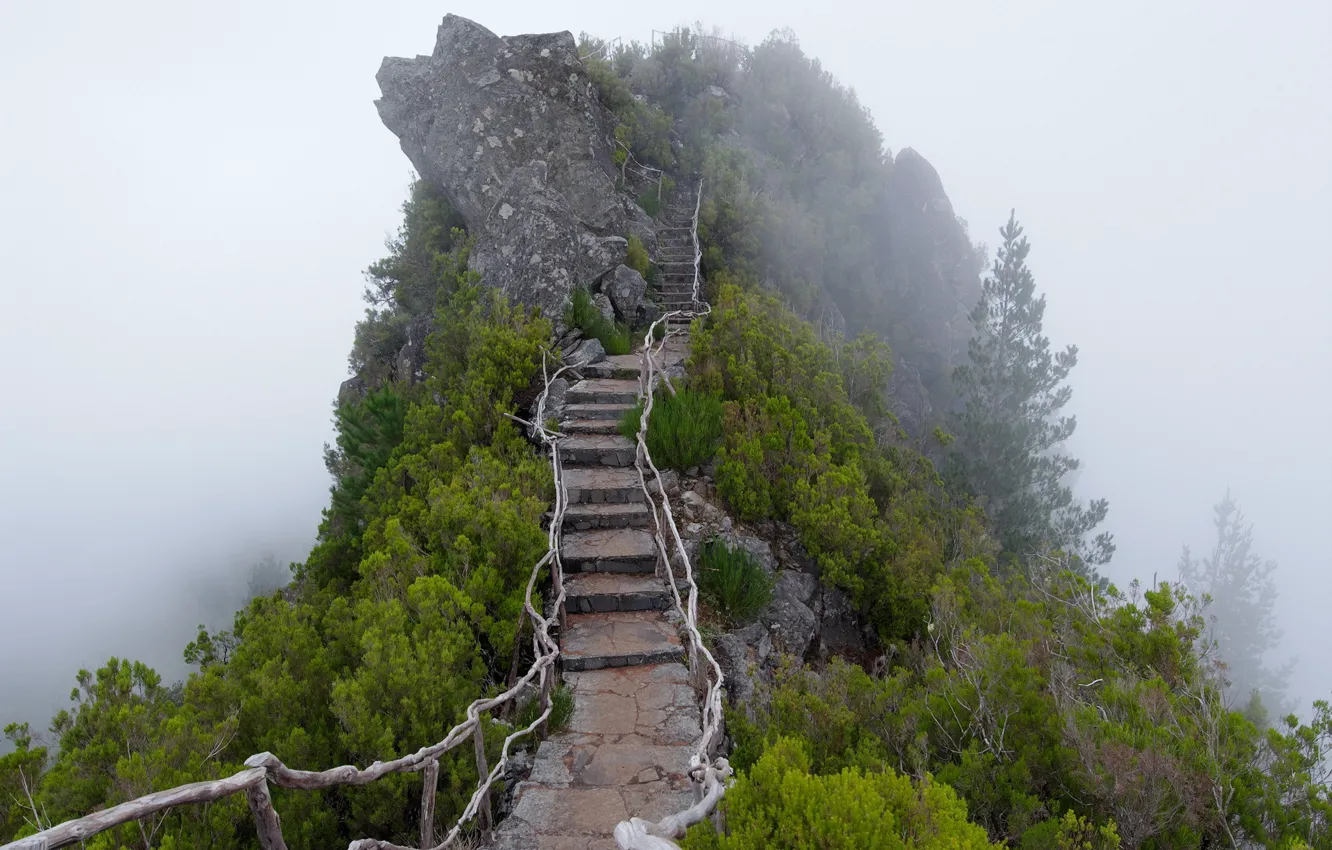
x: 933, y: 281
x: 512, y: 133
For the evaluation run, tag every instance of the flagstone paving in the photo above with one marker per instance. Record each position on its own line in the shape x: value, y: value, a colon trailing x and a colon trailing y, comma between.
x: 636, y: 717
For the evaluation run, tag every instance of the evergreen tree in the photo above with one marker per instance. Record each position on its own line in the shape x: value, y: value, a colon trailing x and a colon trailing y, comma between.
x: 1010, y: 433
x: 1242, y: 609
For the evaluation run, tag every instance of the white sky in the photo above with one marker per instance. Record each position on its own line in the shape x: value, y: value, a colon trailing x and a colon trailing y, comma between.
x: 188, y: 194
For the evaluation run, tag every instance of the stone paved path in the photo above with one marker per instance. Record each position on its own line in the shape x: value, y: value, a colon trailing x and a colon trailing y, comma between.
x: 636, y: 718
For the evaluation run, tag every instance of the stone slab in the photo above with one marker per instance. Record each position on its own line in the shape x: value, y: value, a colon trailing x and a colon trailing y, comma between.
x: 590, y: 426
x: 603, y: 391
x: 597, y: 484
x: 584, y: 517
x: 596, y: 411
x: 619, y: 550
x: 603, y: 449
x: 587, y: 593
x: 618, y: 639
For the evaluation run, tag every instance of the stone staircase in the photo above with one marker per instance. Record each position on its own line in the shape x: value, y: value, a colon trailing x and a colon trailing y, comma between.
x: 675, y: 259
x: 636, y: 717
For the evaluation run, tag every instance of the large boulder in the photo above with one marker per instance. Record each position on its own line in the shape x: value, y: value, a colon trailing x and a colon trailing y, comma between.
x: 533, y: 247
x: 511, y: 131
x: 788, y: 616
x: 625, y: 288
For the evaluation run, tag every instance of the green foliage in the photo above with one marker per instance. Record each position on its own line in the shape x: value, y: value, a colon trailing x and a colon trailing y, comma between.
x: 685, y: 428
x: 636, y: 257
x: 20, y: 782
x: 583, y: 314
x: 1009, y: 436
x: 428, y: 256
x: 798, y: 449
x: 561, y: 710
x: 1065, y: 716
x: 780, y: 803
x: 733, y: 581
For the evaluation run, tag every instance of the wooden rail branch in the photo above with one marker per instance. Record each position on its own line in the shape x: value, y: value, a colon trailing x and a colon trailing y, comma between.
x: 428, y: 791
x: 266, y: 822
x: 74, y: 831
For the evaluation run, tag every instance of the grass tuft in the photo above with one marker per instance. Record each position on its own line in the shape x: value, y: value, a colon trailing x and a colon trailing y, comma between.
x: 685, y: 429
x: 733, y: 581
x: 584, y: 315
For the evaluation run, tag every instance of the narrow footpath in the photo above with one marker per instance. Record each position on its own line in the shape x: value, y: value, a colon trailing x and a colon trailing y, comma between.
x: 636, y: 717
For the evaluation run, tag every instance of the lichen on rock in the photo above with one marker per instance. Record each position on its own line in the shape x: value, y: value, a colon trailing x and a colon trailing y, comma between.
x: 510, y: 129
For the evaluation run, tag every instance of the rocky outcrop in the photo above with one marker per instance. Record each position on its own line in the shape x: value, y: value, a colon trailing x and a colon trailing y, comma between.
x: 625, y: 288
x: 511, y: 131
x: 933, y: 278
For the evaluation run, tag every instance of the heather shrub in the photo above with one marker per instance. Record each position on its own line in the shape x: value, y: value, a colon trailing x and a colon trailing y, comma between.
x: 732, y: 581
x: 685, y: 428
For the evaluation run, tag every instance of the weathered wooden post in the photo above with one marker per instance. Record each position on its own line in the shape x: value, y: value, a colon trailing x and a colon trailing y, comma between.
x: 482, y: 771
x: 428, y: 803
x: 266, y: 821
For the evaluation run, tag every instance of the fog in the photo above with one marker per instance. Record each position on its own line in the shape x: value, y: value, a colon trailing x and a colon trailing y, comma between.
x: 188, y: 195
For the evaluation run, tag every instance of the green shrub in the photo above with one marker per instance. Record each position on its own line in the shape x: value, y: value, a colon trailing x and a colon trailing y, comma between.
x: 637, y: 257
x: 562, y: 705
x: 650, y: 203
x: 685, y: 429
x: 780, y: 804
x: 733, y: 581
x: 584, y: 315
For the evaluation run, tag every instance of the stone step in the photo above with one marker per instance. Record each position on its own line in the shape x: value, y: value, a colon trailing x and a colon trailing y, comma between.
x: 622, y: 366
x: 590, y: 426
x: 618, y: 639
x: 603, y: 391
x: 602, y: 484
x: 609, y: 550
x: 603, y: 449
x: 626, y: 753
x: 596, y: 411
x: 588, y: 593
x: 584, y: 517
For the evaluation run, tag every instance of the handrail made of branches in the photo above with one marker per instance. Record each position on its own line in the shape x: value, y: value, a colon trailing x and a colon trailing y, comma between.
x: 265, y: 768
x: 708, y: 773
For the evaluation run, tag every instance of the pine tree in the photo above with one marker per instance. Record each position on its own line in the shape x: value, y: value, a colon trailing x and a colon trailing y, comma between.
x: 1010, y: 433
x: 1241, y: 608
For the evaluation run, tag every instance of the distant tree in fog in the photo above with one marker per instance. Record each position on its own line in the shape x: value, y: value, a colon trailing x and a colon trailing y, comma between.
x: 1241, y: 598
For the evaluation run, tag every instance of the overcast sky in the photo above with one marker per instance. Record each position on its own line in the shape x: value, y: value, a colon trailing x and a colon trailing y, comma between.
x: 189, y: 192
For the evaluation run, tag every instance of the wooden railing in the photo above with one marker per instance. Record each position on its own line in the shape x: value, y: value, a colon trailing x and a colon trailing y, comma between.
x: 708, y: 773
x: 265, y: 768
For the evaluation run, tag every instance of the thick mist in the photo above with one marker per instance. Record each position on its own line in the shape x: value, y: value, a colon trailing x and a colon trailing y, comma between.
x: 188, y: 197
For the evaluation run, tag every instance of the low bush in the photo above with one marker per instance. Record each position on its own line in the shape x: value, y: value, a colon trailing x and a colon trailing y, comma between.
x: 561, y: 712
x: 733, y: 581
x: 584, y: 315
x: 685, y: 429
x: 637, y: 258
x: 781, y: 804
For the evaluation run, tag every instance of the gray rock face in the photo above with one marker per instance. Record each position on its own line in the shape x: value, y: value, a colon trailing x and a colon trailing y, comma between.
x: 625, y: 288
x: 534, y: 249
x: 839, y: 631
x: 410, y: 363
x: 761, y: 551
x: 604, y: 305
x: 788, y: 616
x: 511, y: 131
x: 589, y: 351
x: 556, y: 399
